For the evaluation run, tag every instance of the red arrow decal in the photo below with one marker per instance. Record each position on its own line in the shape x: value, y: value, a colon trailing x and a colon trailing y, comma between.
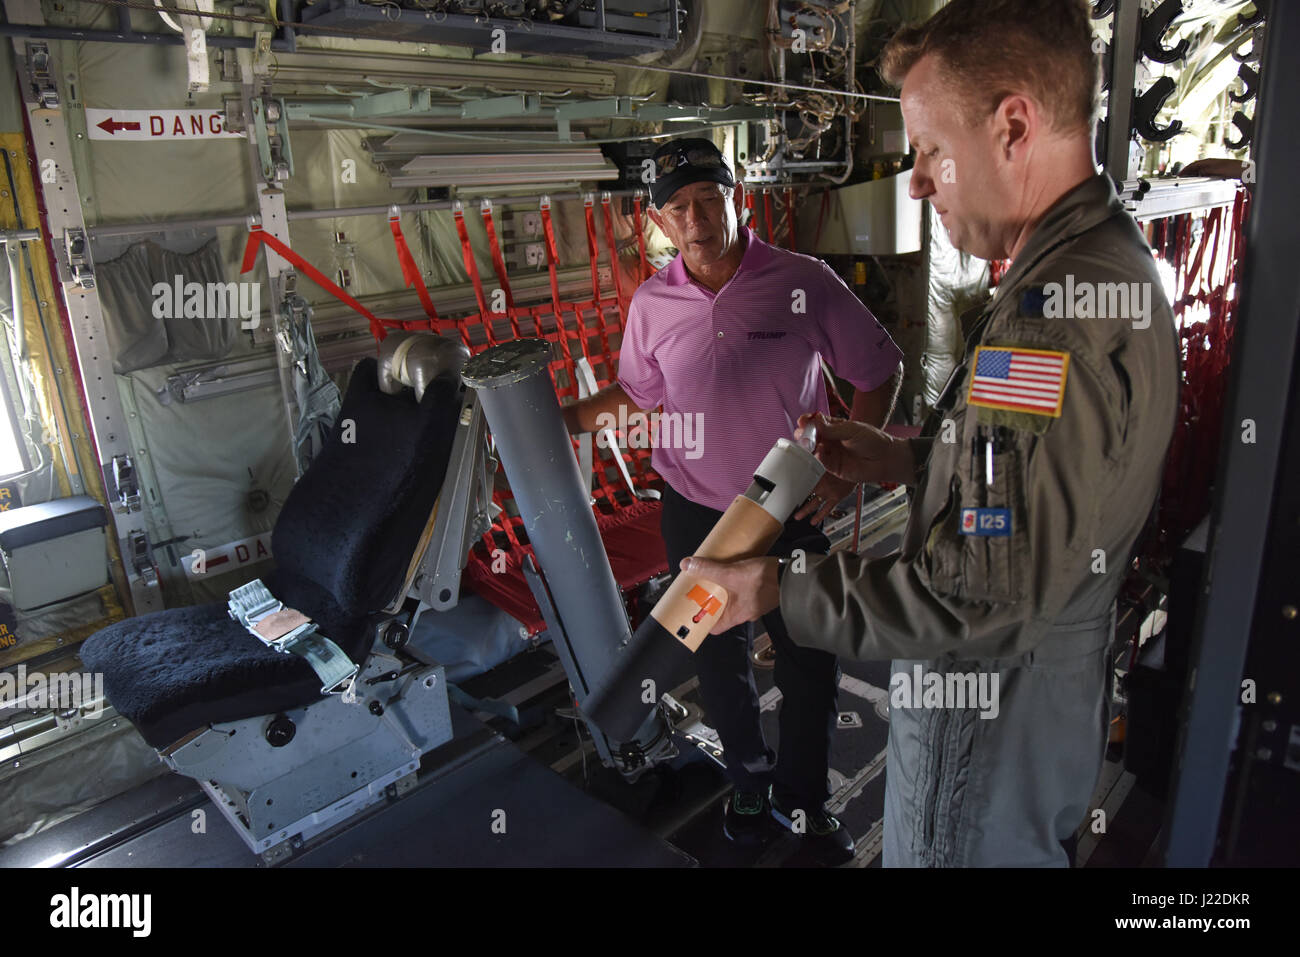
x: 111, y: 126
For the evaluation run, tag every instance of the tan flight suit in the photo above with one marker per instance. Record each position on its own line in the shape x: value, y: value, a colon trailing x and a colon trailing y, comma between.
x: 1033, y: 607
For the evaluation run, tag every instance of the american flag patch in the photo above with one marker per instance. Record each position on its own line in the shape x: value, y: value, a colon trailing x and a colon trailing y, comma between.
x: 1020, y: 380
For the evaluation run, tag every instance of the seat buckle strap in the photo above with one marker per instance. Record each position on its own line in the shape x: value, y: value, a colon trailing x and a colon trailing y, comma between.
x: 290, y: 632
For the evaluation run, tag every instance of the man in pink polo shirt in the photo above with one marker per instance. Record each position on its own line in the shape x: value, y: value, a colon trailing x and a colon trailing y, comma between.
x: 729, y: 338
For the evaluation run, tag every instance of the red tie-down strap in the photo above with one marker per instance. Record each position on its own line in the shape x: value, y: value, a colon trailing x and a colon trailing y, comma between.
x: 593, y: 248
x: 593, y: 243
x: 410, y: 271
x: 471, y: 267
x: 499, y: 265
x: 646, y: 271
x: 548, y: 232
x: 749, y: 205
x: 561, y: 334
x: 593, y: 251
x: 789, y: 211
x: 767, y: 214
x: 257, y: 236
x: 505, y: 520
x: 613, y: 258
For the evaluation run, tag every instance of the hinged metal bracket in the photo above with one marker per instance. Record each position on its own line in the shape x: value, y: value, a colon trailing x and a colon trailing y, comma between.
x: 141, y: 559
x: 126, y: 484
x: 38, y: 72
x: 77, y: 255
x: 271, y: 133
x: 464, y: 511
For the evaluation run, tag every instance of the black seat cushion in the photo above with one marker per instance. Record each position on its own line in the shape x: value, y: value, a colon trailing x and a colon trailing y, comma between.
x: 180, y: 669
x: 351, y: 523
x: 342, y: 544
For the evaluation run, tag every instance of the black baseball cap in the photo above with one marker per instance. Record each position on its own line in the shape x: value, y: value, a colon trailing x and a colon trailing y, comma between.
x: 684, y: 161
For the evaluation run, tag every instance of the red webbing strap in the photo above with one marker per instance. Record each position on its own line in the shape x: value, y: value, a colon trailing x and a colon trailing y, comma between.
x: 789, y: 210
x: 646, y: 271
x: 581, y: 328
x: 613, y: 260
x: 499, y: 265
x: 536, y: 313
x: 548, y: 231
x: 1194, y: 273
x: 602, y: 328
x: 561, y: 333
x: 767, y: 214
x: 606, y: 490
x: 410, y: 271
x: 1214, y: 253
x: 593, y: 248
x: 507, y: 522
x: 1184, y: 242
x: 749, y: 205
x: 471, y: 267
x: 257, y: 236
x: 566, y: 363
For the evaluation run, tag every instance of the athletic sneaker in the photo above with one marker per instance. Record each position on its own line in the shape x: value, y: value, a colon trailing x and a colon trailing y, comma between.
x: 746, y: 817
x: 827, y: 839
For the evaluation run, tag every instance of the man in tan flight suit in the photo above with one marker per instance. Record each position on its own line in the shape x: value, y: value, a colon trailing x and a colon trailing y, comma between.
x: 1036, y: 471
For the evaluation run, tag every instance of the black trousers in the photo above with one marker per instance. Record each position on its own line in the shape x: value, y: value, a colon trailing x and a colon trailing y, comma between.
x: 807, y: 678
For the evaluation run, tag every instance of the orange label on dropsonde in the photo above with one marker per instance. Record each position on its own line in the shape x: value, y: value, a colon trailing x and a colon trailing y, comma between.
x: 708, y: 604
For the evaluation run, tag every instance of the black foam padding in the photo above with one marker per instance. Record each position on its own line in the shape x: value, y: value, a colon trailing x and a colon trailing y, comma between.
x: 352, y: 521
x: 342, y: 544
x: 180, y: 669
x: 616, y: 706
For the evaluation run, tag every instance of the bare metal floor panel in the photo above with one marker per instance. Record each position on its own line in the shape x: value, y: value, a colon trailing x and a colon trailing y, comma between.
x: 487, y: 804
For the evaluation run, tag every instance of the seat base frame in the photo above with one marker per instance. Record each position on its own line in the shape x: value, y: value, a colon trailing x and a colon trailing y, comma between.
x: 344, y: 754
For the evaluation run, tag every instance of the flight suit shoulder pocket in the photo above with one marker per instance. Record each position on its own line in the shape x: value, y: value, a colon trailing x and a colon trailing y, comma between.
x: 977, y: 549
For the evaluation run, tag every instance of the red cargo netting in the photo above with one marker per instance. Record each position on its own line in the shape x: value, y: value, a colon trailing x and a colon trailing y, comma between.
x: 1206, y: 252
x: 588, y: 329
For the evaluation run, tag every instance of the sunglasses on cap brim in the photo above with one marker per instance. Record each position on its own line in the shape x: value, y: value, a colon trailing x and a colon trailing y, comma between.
x: 696, y: 156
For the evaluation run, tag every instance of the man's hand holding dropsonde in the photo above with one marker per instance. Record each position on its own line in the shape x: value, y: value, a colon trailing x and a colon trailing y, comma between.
x: 858, y: 452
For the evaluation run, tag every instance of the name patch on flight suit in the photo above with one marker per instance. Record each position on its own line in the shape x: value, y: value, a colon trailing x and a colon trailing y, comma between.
x: 992, y: 522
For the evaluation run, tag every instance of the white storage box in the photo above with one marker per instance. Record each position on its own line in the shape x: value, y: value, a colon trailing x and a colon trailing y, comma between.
x: 55, y: 550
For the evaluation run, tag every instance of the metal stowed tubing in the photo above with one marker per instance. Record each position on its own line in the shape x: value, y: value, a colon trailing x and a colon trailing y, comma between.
x: 514, y: 387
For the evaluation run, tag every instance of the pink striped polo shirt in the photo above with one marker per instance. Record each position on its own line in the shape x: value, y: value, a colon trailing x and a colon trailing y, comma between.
x: 743, y: 364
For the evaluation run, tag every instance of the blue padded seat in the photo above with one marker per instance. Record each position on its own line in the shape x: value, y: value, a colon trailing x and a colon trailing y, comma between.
x: 341, y: 544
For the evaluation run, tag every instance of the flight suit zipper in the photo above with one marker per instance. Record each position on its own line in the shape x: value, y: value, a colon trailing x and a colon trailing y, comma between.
x: 940, y: 739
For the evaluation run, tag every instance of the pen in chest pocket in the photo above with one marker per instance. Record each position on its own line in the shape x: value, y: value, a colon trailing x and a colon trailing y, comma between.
x: 983, y: 445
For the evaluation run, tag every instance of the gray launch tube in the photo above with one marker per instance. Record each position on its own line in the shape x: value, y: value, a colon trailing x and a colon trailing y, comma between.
x: 514, y: 387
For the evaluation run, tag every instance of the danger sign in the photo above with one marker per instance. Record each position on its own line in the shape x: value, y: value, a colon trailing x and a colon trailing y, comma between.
x: 157, y: 125
x: 224, y: 558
